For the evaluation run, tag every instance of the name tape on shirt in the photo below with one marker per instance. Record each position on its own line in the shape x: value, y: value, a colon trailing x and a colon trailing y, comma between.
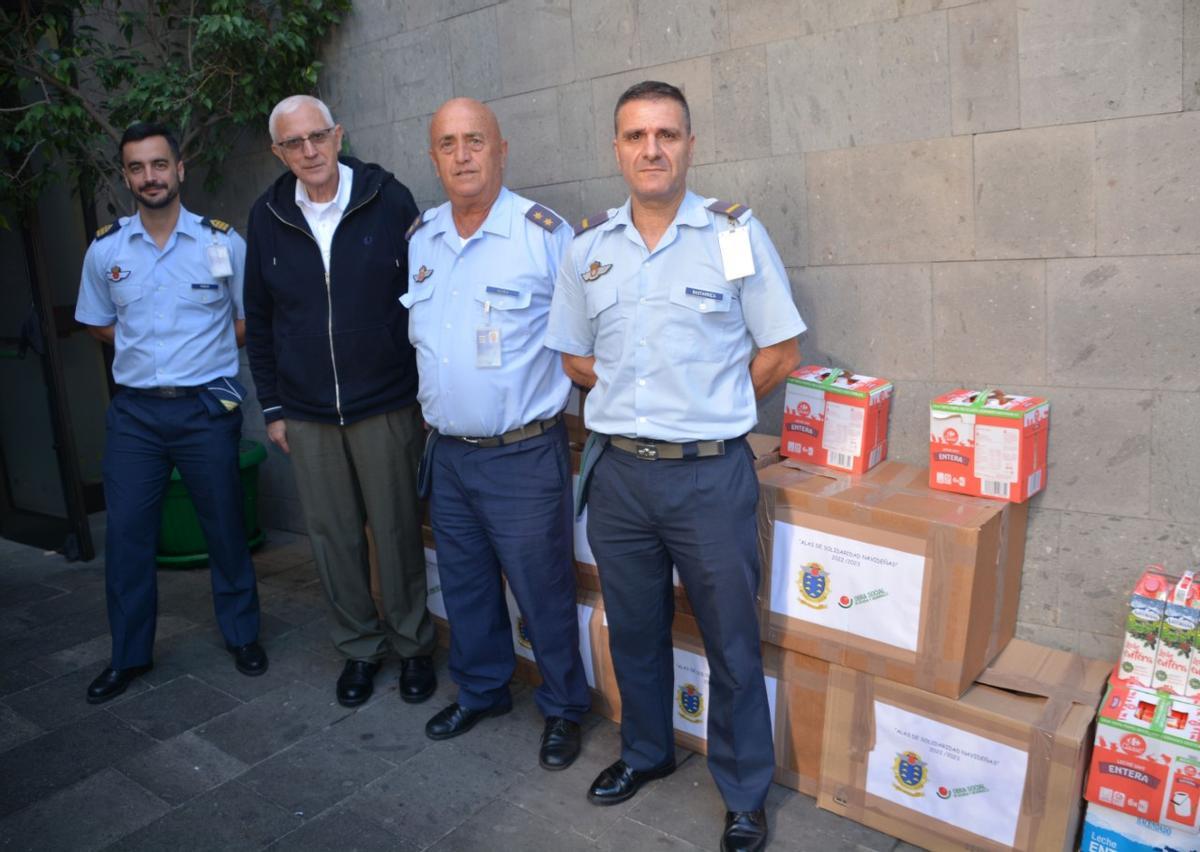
x: 503, y: 291
x: 704, y: 294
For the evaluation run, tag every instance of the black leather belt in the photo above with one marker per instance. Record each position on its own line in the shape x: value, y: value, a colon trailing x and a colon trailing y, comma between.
x: 165, y: 392
x: 512, y: 436
x: 650, y: 450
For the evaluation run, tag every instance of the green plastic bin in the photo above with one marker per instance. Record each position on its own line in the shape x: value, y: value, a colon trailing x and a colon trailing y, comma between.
x: 181, y: 541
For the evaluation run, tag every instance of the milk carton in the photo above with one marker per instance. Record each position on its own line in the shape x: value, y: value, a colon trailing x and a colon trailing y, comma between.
x: 1177, y: 637
x: 1142, y: 625
x: 836, y: 418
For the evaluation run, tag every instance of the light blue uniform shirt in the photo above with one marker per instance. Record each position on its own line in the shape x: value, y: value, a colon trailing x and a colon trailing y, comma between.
x: 174, y: 318
x: 502, y: 277
x: 672, y: 338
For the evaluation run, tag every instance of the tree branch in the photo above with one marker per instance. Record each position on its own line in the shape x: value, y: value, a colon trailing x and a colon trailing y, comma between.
x: 74, y: 93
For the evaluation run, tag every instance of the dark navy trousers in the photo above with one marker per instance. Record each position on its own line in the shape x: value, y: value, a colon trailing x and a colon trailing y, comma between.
x: 509, y: 509
x: 146, y: 436
x: 700, y: 515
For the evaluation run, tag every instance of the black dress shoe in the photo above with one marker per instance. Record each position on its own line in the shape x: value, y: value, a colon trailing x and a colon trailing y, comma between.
x: 356, y: 682
x: 112, y: 682
x: 745, y: 831
x: 417, y: 679
x: 560, y: 743
x: 250, y: 659
x: 456, y: 719
x: 620, y: 781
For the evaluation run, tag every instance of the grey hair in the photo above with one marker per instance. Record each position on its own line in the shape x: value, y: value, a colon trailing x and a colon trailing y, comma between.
x: 293, y: 103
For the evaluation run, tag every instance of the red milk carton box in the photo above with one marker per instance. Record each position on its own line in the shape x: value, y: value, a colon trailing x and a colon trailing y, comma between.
x: 836, y: 418
x: 1139, y: 654
x: 988, y: 444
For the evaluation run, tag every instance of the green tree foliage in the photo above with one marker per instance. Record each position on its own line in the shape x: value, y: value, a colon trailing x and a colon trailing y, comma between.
x: 75, y: 73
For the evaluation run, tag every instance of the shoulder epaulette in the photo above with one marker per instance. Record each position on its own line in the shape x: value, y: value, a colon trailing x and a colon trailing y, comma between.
x: 216, y: 225
x: 543, y: 216
x: 589, y: 222
x: 732, y: 209
x: 415, y: 226
x: 111, y: 228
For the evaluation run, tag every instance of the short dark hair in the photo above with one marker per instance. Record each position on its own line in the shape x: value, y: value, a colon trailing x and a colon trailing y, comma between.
x: 144, y: 130
x: 654, y: 90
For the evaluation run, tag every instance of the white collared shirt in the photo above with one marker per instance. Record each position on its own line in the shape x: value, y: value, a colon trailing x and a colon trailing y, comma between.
x: 323, y: 216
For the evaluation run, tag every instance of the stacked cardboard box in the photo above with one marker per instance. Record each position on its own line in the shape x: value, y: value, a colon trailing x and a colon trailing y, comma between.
x: 883, y: 603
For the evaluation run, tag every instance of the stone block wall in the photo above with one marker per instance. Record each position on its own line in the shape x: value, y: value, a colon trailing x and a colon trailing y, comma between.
x: 965, y: 193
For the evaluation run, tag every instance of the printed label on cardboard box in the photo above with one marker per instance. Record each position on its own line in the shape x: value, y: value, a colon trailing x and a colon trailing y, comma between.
x: 692, y: 694
x: 997, y: 452
x: 433, y: 583
x: 843, y: 429
x: 946, y: 773
x: 844, y: 584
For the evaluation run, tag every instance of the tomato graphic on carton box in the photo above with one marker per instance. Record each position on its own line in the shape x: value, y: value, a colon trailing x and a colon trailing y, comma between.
x: 988, y: 444
x: 836, y: 418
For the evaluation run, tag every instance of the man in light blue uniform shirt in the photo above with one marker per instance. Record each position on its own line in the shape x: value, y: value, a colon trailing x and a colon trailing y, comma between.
x: 165, y: 288
x: 497, y: 467
x: 658, y: 307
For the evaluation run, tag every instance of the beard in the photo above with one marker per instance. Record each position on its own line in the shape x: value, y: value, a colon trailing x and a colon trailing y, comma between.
x: 172, y: 192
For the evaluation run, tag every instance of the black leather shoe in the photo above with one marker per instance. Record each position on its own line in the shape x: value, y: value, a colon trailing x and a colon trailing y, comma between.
x: 619, y: 782
x: 456, y: 719
x: 112, y: 682
x: 356, y: 682
x: 745, y: 831
x: 560, y: 743
x: 250, y: 659
x: 417, y: 679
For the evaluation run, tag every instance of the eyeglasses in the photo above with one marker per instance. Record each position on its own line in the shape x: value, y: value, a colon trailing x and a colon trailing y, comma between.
x: 317, y: 137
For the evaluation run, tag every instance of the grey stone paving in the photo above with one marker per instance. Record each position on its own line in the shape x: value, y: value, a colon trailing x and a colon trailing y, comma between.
x: 196, y: 756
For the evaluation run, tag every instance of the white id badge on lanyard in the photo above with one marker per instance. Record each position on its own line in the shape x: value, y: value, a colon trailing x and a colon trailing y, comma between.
x: 487, y: 341
x: 218, y: 261
x: 735, y: 253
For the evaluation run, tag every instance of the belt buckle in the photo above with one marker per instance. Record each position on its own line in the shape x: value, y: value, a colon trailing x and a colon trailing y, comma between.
x: 168, y: 391
x: 469, y: 440
x: 647, y: 451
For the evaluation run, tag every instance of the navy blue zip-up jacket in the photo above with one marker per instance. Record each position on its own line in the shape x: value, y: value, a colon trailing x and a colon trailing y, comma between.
x: 333, y: 350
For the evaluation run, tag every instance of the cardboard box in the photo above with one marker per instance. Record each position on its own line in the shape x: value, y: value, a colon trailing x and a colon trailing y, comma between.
x: 1106, y: 830
x: 766, y: 449
x: 988, y: 444
x: 999, y: 768
x: 836, y: 418
x: 1146, y: 760
x: 879, y: 573
x: 796, y: 687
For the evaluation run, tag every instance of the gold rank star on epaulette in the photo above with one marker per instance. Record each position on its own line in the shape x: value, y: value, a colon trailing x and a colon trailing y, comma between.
x: 104, y: 230
x: 589, y: 222
x: 539, y: 215
x: 216, y: 225
x: 415, y: 226
x: 732, y: 209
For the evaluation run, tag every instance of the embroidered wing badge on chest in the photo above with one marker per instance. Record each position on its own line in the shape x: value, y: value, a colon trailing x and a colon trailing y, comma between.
x: 119, y: 274
x: 422, y: 273
x: 595, y: 270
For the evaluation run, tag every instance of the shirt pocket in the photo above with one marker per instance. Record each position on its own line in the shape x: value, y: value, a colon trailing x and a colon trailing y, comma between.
x: 701, y: 321
x: 600, y: 299
x: 416, y: 302
x: 205, y: 295
x: 506, y: 307
x: 124, y: 295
